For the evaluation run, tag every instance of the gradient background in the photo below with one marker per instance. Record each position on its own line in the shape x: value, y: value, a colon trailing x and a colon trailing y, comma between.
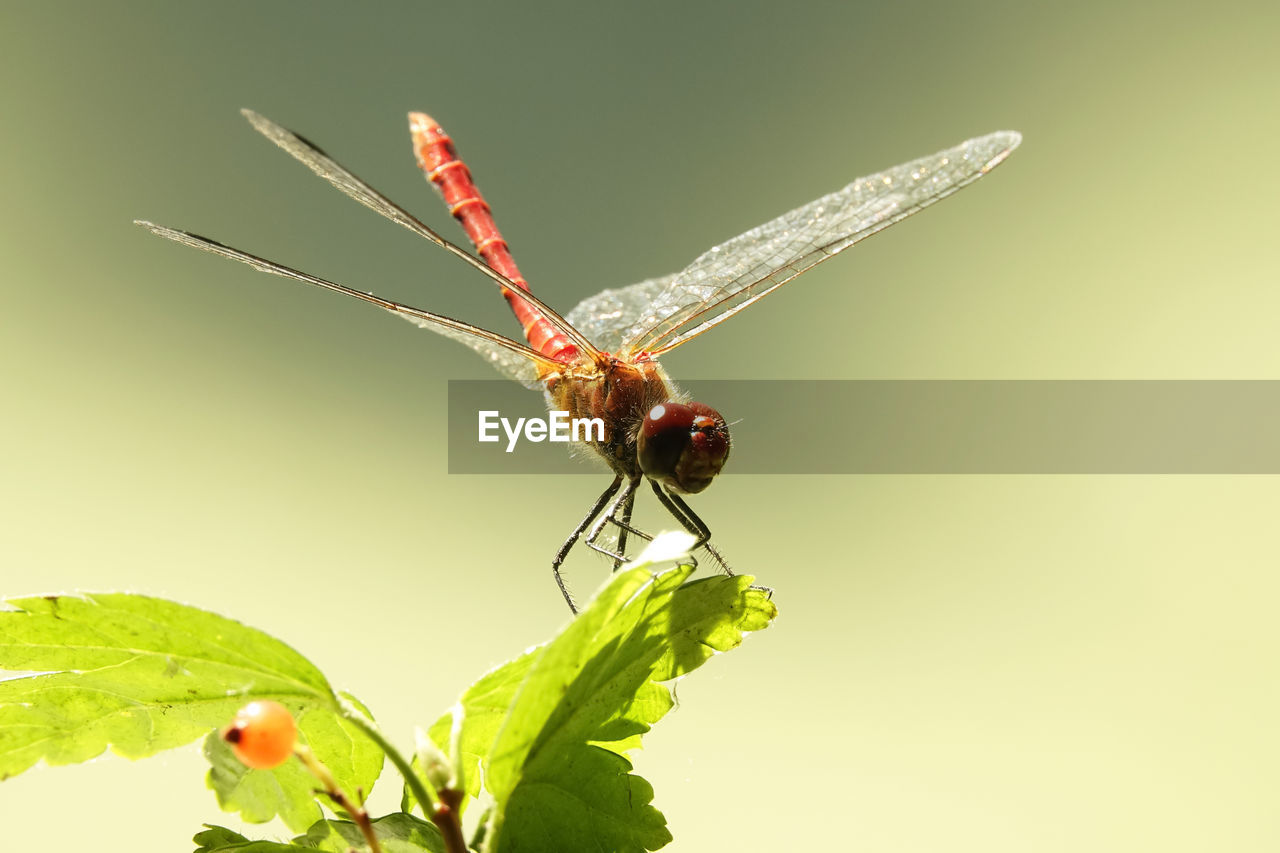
x: 961, y: 663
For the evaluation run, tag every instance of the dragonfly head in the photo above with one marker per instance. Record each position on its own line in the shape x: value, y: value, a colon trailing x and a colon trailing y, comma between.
x: 683, y: 447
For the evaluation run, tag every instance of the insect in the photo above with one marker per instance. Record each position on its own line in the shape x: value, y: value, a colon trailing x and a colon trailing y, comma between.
x: 601, y: 359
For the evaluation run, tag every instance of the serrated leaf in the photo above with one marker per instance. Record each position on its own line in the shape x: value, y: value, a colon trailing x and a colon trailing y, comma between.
x: 219, y: 839
x: 485, y: 705
x: 256, y: 846
x: 397, y: 833
x: 216, y: 838
x: 258, y: 796
x: 351, y: 756
x: 288, y: 791
x: 133, y: 673
x: 559, y: 717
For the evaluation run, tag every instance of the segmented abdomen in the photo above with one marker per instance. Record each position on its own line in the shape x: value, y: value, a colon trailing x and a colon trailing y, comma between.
x: 439, y: 161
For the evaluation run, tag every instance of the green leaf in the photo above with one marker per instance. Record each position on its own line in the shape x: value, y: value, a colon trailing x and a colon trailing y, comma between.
x: 351, y: 756
x: 260, y: 795
x: 397, y: 833
x: 216, y: 838
x: 485, y: 705
x: 133, y: 673
x: 552, y: 725
x: 289, y: 790
x: 219, y: 839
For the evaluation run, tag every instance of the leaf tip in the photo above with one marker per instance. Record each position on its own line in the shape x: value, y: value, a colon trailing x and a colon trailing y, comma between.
x: 671, y: 546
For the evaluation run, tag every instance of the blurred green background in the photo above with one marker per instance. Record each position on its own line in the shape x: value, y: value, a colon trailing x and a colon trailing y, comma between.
x: 962, y: 663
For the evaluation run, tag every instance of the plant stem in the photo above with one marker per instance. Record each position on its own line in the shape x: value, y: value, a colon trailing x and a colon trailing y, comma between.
x: 445, y: 817
x: 357, y: 813
x: 444, y: 813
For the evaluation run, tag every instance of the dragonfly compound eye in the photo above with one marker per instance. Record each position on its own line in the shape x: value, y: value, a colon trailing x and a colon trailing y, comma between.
x: 683, y: 446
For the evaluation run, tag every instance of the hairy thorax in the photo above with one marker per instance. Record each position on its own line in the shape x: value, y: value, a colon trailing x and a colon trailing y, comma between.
x: 620, y: 394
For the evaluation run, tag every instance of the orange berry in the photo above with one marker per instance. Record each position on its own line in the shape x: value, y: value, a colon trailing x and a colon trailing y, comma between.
x: 262, y: 735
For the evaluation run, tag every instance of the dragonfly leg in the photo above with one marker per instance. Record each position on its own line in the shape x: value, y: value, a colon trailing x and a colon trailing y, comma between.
x: 624, y: 500
x: 631, y: 529
x: 600, y: 503
x: 689, y: 521
x: 624, y: 527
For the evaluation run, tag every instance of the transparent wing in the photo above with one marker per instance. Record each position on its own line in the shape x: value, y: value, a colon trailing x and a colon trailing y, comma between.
x: 515, y: 360
x: 610, y: 317
x: 513, y: 364
x: 311, y: 156
x: 733, y: 275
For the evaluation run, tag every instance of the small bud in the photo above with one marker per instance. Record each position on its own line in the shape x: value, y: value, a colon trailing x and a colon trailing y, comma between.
x: 433, y: 763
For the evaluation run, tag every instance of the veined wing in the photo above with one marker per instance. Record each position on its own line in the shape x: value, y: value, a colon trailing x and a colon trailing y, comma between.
x: 310, y: 155
x: 513, y: 364
x: 609, y: 317
x: 729, y: 277
x: 516, y: 360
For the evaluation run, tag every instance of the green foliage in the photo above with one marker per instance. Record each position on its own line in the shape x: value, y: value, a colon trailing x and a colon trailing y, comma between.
x: 546, y: 733
x: 260, y: 795
x: 134, y: 673
x: 556, y: 769
x: 287, y: 791
x: 397, y: 833
x: 484, y: 706
x: 219, y: 838
x: 141, y: 675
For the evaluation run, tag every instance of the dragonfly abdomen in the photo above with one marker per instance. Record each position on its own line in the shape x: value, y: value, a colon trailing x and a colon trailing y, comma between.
x: 439, y: 161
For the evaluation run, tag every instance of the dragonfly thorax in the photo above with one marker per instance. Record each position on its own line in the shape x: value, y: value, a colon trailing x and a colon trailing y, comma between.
x: 647, y: 432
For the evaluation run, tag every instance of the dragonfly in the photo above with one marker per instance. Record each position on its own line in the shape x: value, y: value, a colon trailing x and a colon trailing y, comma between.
x: 600, y: 360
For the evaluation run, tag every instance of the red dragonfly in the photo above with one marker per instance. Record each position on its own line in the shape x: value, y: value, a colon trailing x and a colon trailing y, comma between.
x: 601, y: 359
